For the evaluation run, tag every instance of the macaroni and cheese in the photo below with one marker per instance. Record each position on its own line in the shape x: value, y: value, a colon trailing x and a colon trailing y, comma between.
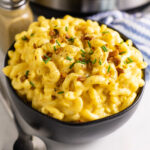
x: 75, y: 70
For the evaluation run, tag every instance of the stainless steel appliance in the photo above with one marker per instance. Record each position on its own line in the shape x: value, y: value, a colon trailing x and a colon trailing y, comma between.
x: 90, y: 6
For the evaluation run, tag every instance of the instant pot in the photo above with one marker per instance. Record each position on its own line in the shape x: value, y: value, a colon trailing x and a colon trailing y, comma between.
x: 91, y: 6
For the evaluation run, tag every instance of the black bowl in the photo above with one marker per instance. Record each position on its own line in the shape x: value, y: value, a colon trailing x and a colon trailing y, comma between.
x: 48, y: 127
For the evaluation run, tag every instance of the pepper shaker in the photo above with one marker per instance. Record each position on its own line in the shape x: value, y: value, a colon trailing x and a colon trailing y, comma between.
x: 15, y: 16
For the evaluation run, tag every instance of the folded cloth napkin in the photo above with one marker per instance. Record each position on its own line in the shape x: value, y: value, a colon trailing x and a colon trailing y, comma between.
x: 136, y: 27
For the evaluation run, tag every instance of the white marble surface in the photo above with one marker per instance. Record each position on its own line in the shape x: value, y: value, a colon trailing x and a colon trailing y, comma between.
x: 134, y: 135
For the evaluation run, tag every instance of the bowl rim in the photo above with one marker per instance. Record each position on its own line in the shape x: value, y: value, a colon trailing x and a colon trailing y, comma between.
x: 97, y: 121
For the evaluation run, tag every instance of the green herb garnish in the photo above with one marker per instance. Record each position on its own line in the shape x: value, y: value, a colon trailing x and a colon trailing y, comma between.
x: 27, y: 73
x: 81, y: 61
x: 32, y: 84
x: 71, y: 39
x: 32, y: 34
x: 82, y: 55
x: 82, y: 51
x: 129, y: 60
x: 66, y: 28
x: 61, y: 92
x: 105, y: 32
x: 58, y: 43
x: 88, y: 61
x: 89, y: 44
x: 46, y: 59
x: 94, y: 61
x: 24, y: 38
x: 104, y: 48
x: 71, y: 66
x: 68, y: 58
x: 91, y: 52
x: 108, y: 69
x: 122, y: 42
x: 100, y: 62
x: 123, y: 52
x: 55, y: 48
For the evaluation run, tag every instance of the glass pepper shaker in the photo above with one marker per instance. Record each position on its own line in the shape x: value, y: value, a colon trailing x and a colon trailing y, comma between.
x: 15, y: 16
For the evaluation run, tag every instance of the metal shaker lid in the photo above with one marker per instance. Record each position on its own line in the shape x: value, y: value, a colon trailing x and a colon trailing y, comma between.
x: 12, y: 4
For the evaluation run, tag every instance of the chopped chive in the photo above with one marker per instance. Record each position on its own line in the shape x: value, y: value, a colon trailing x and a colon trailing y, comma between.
x: 81, y: 61
x: 129, y: 60
x: 105, y: 32
x: 32, y: 84
x: 58, y: 43
x: 82, y: 55
x: 108, y: 69
x: 68, y: 58
x: 123, y: 52
x: 82, y: 51
x: 55, y: 48
x: 88, y: 61
x: 24, y: 38
x: 61, y: 92
x: 89, y: 44
x: 91, y: 52
x: 32, y: 34
x: 104, y: 48
x: 93, y: 62
x: 66, y: 28
x: 100, y: 62
x: 71, y: 39
x: 121, y: 42
x: 27, y: 73
x: 71, y: 66
x: 47, y: 59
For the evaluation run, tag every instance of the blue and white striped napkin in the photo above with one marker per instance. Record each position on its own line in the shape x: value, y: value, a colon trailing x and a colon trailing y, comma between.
x: 136, y: 27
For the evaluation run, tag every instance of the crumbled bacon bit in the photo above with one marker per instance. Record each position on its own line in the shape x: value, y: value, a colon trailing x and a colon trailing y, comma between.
x: 87, y: 38
x: 67, y: 36
x: 58, y: 50
x: 112, y: 57
x: 54, y: 33
x: 53, y: 97
x: 23, y: 78
x: 34, y: 46
x: 120, y: 70
x: 117, y: 47
x: 81, y: 78
x: 44, y: 57
x: 32, y: 87
x: 116, y: 61
x: 113, y: 53
x: 52, y: 41
x: 89, y: 66
x: 49, y: 54
x: 93, y: 47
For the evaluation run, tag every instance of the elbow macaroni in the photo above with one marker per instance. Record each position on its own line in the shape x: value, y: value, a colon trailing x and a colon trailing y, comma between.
x: 75, y: 70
